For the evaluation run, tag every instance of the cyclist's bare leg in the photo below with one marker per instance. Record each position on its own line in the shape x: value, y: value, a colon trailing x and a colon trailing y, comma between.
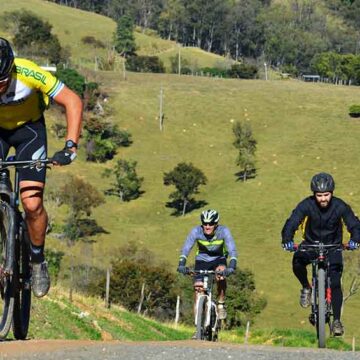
x: 198, y: 289
x: 31, y: 193
x: 221, y: 284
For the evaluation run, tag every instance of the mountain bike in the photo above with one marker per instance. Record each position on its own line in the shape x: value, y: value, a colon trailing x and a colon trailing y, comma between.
x: 15, y: 269
x: 321, y: 309
x: 207, y: 321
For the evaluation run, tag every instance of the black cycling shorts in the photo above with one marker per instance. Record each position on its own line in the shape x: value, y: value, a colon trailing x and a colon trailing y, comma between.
x: 30, y: 143
x: 207, y: 265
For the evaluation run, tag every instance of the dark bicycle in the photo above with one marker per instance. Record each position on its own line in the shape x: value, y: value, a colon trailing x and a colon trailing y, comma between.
x: 207, y: 321
x: 321, y: 309
x: 15, y: 269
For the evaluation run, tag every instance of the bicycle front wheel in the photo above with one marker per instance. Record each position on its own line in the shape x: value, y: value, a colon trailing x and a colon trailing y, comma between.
x: 6, y: 268
x: 201, y: 318
x: 22, y: 302
x: 322, y: 309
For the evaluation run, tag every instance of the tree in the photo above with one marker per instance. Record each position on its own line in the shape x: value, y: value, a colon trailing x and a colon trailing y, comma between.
x: 246, y: 145
x: 81, y: 197
x: 187, y: 179
x: 124, y: 36
x: 32, y: 36
x: 127, y: 183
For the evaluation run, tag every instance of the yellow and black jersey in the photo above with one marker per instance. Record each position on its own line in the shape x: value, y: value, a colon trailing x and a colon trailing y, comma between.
x: 322, y: 224
x: 28, y: 94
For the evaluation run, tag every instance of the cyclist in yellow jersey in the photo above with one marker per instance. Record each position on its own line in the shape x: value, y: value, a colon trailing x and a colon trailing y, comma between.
x: 25, y: 90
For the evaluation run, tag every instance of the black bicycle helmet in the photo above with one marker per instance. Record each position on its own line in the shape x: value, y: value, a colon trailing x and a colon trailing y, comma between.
x: 6, y: 59
x: 322, y: 182
x: 210, y: 217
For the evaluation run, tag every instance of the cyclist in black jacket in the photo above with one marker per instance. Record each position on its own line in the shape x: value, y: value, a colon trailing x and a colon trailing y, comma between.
x: 321, y: 217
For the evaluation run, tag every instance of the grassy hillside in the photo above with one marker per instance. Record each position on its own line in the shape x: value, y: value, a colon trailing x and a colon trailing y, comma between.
x: 54, y: 317
x: 301, y: 129
x: 71, y: 25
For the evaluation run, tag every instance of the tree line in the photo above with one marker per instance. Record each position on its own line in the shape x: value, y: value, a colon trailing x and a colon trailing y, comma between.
x: 286, y: 35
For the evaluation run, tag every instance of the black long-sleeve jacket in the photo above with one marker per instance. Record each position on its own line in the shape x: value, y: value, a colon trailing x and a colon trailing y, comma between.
x: 322, y: 224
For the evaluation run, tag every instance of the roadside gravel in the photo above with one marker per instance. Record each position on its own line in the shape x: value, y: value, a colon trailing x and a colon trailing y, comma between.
x: 179, y: 350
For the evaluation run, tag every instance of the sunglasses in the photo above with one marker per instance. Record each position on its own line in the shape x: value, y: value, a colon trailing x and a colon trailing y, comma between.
x: 209, y: 224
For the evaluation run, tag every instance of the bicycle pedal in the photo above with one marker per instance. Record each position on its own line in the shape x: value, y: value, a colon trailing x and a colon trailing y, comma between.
x: 312, y: 319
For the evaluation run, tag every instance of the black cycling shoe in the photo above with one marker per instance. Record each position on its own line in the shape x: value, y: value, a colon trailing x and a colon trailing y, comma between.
x: 337, y: 328
x: 40, y: 279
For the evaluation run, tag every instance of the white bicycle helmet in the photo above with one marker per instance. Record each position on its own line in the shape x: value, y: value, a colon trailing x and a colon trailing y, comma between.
x: 209, y: 216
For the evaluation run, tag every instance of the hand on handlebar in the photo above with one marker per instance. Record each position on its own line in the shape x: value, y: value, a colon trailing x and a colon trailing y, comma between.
x: 353, y: 245
x: 228, y: 271
x: 289, y: 246
x: 64, y: 157
x: 182, y: 269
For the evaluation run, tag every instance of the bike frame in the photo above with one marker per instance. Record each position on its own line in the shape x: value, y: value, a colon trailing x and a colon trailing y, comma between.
x: 17, y: 263
x: 209, y: 279
x: 321, y: 313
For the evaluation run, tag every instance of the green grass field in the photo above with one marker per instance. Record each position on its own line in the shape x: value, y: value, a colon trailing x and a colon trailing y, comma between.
x: 301, y: 129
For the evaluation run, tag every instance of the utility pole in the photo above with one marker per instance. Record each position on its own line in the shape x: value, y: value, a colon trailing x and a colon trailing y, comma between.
x: 266, y: 73
x: 179, y: 60
x: 161, y: 114
x: 124, y: 68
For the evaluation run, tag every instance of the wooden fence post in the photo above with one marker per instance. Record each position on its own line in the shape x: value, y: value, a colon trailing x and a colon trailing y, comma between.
x: 247, y: 332
x: 177, y: 310
x: 107, y: 289
x: 141, y: 298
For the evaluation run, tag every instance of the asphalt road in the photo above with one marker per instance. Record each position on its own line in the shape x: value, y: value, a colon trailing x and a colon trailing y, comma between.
x: 179, y: 350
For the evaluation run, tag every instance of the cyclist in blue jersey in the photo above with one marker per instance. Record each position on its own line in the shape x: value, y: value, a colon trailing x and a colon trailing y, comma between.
x: 25, y: 91
x: 215, y: 244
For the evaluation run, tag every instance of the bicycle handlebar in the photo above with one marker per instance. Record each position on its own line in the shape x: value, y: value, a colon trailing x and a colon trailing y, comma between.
x: 25, y: 163
x: 190, y: 271
x: 305, y: 247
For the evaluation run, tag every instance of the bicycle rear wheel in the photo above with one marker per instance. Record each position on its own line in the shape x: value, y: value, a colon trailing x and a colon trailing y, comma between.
x: 6, y: 268
x: 322, y: 309
x: 22, y: 303
x: 201, y: 318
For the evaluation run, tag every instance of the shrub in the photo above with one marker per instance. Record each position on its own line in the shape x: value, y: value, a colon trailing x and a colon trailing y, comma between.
x: 145, y: 64
x: 214, y: 72
x: 90, y: 40
x: 354, y: 111
x: 243, y: 71
x: 100, y: 150
x: 134, y: 266
x: 72, y: 79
